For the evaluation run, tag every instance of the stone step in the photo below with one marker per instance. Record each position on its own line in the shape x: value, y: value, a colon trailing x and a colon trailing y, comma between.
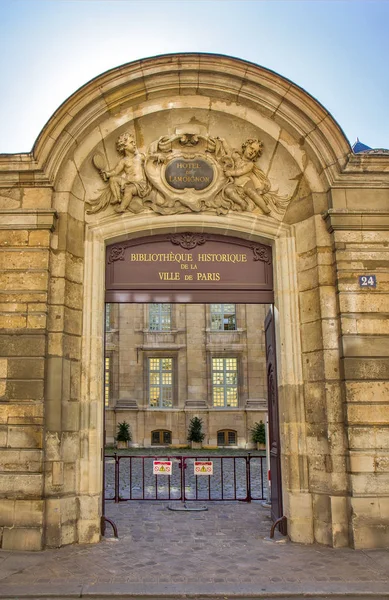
x: 200, y: 591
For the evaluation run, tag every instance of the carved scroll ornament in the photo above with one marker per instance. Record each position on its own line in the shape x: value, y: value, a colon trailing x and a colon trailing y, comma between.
x: 116, y: 253
x: 189, y: 240
x: 262, y: 253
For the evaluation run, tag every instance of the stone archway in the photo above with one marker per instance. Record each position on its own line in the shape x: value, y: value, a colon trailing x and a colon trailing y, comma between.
x: 305, y: 162
x: 286, y: 303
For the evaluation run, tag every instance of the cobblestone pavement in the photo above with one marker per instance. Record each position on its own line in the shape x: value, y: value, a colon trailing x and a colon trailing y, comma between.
x: 219, y: 551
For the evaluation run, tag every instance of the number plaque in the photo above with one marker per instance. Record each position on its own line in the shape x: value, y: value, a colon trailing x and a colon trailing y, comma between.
x: 367, y: 281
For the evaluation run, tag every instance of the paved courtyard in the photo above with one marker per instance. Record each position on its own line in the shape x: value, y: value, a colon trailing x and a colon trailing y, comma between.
x: 221, y: 552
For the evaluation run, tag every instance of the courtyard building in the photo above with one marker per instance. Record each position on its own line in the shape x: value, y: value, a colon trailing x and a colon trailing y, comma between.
x: 166, y: 363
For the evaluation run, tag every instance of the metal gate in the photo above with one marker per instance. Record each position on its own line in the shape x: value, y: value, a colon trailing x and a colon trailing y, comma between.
x: 241, y: 478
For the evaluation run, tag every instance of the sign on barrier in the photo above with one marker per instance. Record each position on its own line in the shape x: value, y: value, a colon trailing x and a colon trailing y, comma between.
x: 203, y: 467
x: 162, y: 467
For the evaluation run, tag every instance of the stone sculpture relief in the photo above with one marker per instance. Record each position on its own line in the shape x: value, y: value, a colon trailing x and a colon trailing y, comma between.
x: 248, y: 187
x: 187, y: 172
x: 127, y: 182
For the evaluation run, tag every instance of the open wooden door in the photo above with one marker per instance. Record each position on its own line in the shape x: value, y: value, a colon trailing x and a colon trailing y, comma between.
x: 274, y: 429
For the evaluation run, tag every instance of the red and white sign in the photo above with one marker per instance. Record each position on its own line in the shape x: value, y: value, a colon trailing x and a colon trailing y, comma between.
x: 162, y: 467
x: 203, y: 467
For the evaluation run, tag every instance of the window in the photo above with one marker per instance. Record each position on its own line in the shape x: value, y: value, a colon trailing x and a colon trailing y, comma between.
x: 107, y: 377
x: 160, y: 317
x: 226, y: 437
x: 107, y: 317
x: 161, y: 437
x: 223, y: 317
x: 160, y: 374
x: 224, y: 382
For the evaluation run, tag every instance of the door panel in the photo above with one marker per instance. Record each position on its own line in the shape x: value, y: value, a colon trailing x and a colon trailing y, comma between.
x: 274, y: 429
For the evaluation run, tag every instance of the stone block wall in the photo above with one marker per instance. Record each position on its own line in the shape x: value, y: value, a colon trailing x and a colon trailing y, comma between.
x: 24, y: 288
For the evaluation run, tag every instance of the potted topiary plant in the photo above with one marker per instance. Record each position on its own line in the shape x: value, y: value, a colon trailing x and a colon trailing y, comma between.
x: 195, y: 432
x: 258, y: 435
x: 123, y: 435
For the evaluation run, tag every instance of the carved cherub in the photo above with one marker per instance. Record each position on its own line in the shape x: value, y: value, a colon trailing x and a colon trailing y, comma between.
x: 127, y: 180
x: 246, y: 180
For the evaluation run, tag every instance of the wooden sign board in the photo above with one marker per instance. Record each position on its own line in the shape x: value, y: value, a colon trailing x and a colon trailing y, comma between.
x: 189, y: 267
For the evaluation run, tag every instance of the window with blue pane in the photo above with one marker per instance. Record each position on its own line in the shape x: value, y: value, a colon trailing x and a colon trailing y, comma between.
x: 160, y: 317
x: 225, y: 382
x: 223, y: 317
x: 226, y: 437
x: 160, y: 375
x: 107, y: 317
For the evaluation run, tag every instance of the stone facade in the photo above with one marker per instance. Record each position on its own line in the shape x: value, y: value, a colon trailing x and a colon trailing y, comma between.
x: 333, y: 350
x: 191, y: 343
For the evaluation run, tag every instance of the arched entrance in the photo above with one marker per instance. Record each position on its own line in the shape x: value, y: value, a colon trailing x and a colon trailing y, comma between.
x: 199, y: 144
x: 285, y: 302
x: 216, y: 145
x: 183, y: 269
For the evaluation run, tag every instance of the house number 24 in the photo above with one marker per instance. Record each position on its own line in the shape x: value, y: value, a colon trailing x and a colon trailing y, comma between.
x: 367, y: 281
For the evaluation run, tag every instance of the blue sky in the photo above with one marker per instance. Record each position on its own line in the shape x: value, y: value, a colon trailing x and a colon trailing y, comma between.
x: 337, y: 50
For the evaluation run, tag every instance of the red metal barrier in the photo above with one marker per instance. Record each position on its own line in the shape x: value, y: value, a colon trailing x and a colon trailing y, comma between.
x: 233, y: 478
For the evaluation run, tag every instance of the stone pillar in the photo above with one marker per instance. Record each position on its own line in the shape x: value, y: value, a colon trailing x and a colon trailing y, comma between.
x: 73, y: 463
x: 361, y: 246
x: 324, y: 417
x: 24, y: 279
x: 195, y: 353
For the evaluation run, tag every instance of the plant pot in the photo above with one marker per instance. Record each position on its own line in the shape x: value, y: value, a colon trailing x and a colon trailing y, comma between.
x: 261, y: 446
x: 121, y: 445
x: 196, y: 445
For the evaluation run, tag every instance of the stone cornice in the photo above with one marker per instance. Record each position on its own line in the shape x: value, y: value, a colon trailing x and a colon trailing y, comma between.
x: 21, y: 170
x: 344, y: 219
x: 358, y: 163
x: 364, y: 171
x: 366, y: 180
x: 33, y: 218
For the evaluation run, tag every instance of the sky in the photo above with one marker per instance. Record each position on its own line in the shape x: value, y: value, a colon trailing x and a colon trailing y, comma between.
x: 337, y: 50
